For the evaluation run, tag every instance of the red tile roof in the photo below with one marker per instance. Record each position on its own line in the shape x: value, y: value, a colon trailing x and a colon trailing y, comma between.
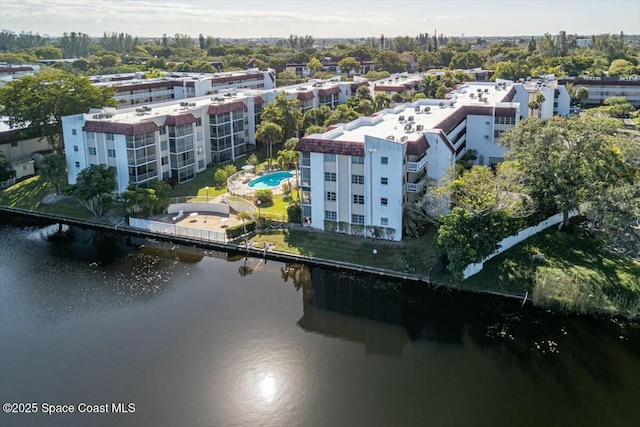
x: 305, y: 96
x: 318, y: 145
x: 417, y: 147
x: 226, y: 107
x: 120, y: 128
x: 329, y: 91
x: 510, y: 95
x: 257, y: 100
x: 180, y: 119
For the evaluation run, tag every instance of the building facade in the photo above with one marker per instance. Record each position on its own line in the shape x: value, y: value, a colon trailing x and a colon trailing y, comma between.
x: 175, y: 140
x: 357, y: 177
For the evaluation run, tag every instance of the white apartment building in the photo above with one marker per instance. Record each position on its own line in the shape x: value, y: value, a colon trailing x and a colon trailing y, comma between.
x: 132, y: 90
x: 357, y: 177
x: 177, y: 139
x: 601, y: 88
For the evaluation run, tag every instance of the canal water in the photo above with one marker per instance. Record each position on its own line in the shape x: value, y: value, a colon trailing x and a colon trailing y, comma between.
x: 193, y: 338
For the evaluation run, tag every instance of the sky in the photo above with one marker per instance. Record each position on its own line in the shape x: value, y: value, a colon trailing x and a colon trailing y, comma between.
x: 320, y: 18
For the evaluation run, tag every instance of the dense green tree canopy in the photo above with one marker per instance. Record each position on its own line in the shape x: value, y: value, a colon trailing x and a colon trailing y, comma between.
x: 54, y: 170
x: 285, y: 113
x: 41, y: 101
x: 94, y: 188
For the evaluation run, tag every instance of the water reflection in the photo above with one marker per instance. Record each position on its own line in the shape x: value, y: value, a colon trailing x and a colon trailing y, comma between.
x: 537, y: 341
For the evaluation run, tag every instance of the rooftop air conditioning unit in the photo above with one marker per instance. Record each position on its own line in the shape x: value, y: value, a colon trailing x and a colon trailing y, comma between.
x: 404, y: 138
x: 391, y: 138
x: 410, y: 118
x: 192, y: 104
x: 419, y: 127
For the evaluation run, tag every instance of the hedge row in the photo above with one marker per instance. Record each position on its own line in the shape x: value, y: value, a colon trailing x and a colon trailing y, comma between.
x: 238, y: 230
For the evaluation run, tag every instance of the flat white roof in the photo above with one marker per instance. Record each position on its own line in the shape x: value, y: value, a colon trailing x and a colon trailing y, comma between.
x: 387, y: 122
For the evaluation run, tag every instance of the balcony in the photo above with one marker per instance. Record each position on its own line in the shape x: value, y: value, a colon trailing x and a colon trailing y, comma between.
x: 142, y: 160
x: 414, y: 187
x: 417, y: 166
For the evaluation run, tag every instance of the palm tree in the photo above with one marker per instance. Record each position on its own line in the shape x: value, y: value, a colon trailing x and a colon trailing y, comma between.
x: 381, y: 101
x: 54, y: 170
x: 316, y: 116
x: 244, y: 216
x: 270, y: 133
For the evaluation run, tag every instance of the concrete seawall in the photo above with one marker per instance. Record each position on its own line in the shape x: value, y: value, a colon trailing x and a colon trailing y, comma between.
x: 273, y: 255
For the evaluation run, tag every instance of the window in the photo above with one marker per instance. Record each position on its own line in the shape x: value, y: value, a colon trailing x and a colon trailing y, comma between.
x: 73, y: 132
x: 384, y: 180
x: 357, y: 219
x: 330, y: 195
x: 357, y: 179
x: 92, y: 151
x: 111, y: 153
x: 110, y: 137
x: 163, y: 130
x: 78, y: 165
x: 329, y: 157
x: 357, y: 160
x: 165, y: 160
x: 384, y: 201
x: 384, y: 160
x: 358, y: 199
x: 330, y: 215
x: 330, y: 176
x: 497, y: 133
x: 91, y: 135
x: 199, y: 121
x: 384, y: 221
x: 75, y: 148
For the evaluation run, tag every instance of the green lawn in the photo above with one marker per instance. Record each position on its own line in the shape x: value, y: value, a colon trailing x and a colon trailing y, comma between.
x: 575, y: 273
x: 278, y: 210
x: 205, y: 179
x: 412, y: 256
x: 28, y: 194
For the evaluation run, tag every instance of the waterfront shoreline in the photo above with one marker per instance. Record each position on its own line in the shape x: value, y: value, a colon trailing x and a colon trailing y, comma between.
x: 271, y: 254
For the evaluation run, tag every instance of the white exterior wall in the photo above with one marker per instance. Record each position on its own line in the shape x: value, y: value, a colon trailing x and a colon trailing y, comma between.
x: 564, y: 101
x: 122, y: 164
x: 546, y: 109
x: 439, y: 158
x: 375, y: 149
x: 69, y: 124
x: 317, y: 190
x: 480, y: 138
x: 522, y: 97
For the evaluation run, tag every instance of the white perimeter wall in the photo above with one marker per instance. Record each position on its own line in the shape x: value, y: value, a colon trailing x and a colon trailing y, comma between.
x: 511, y: 241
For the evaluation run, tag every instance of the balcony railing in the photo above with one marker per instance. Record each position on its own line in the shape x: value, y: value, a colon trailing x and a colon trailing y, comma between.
x: 414, y: 187
x: 142, y: 160
x: 417, y: 166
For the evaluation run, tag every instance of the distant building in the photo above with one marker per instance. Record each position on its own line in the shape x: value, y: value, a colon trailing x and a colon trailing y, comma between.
x: 10, y: 72
x: 133, y: 89
x: 177, y: 139
x: 19, y: 146
x: 583, y: 42
x: 601, y: 88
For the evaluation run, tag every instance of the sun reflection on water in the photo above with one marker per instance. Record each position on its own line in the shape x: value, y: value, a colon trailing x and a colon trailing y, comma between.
x: 267, y: 387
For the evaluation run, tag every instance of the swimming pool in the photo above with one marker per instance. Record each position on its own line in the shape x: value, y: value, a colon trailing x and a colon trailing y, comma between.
x: 269, y: 181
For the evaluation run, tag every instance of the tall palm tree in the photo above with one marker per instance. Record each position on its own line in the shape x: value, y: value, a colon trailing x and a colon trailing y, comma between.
x: 381, y: 101
x: 270, y: 133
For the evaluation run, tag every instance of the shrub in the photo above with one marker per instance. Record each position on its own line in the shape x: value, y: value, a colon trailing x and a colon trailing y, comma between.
x: 294, y: 213
x: 264, y: 196
x: 238, y: 230
x: 220, y: 177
